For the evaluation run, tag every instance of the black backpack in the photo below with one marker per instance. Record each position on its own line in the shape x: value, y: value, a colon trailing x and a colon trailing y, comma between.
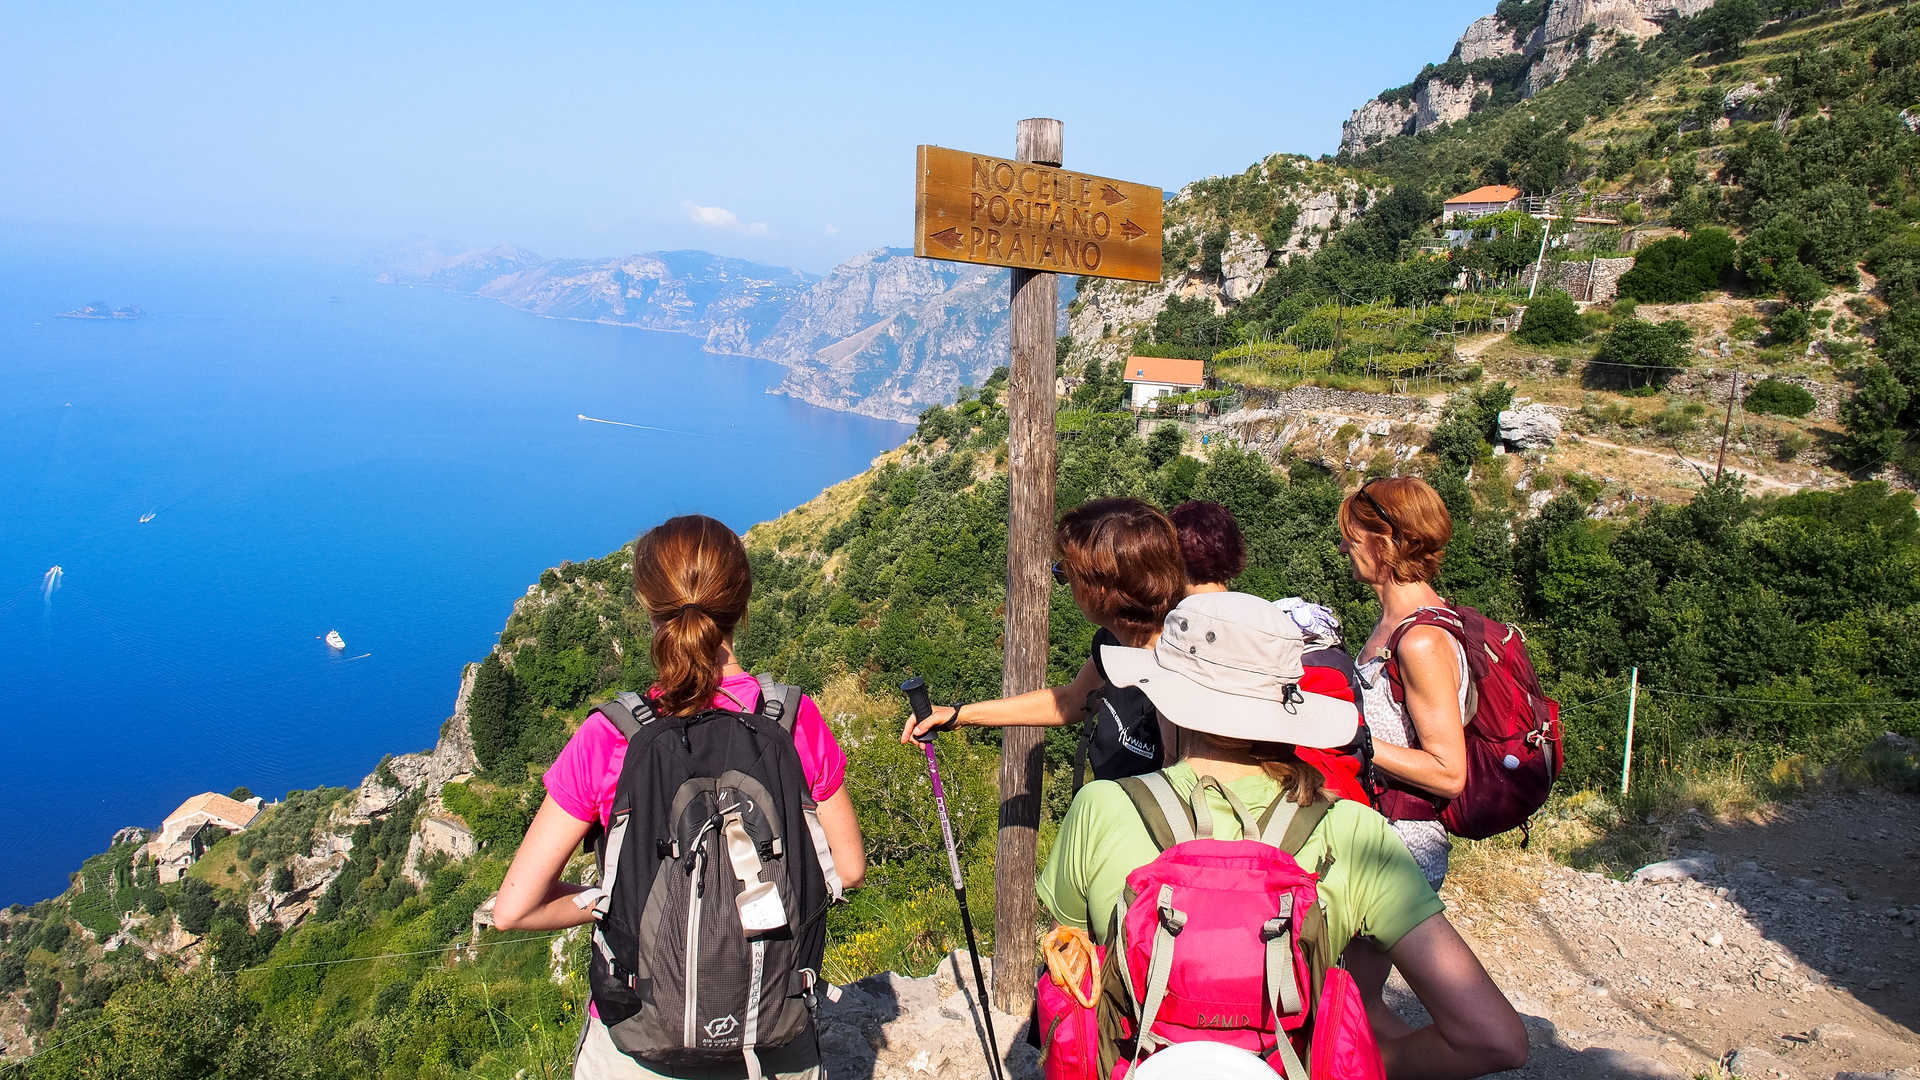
x: 707, y: 806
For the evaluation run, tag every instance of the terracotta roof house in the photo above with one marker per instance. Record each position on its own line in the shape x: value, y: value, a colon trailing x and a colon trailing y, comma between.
x: 1481, y: 201
x: 187, y: 832
x: 1157, y: 376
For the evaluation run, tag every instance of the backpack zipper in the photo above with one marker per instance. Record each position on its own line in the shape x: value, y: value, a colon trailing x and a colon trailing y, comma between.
x: 688, y: 1036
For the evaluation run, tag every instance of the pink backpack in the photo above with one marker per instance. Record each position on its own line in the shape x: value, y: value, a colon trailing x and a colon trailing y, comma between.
x: 1513, y: 737
x: 1219, y: 941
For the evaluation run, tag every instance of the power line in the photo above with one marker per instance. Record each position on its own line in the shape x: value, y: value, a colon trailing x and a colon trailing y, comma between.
x: 1593, y: 701
x: 389, y: 956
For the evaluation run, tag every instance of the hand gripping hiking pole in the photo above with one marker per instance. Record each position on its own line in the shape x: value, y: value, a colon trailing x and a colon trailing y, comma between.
x: 916, y: 691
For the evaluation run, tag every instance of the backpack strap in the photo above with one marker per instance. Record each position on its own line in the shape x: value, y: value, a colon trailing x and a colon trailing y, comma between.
x: 1287, y: 825
x: 779, y: 702
x: 1167, y: 819
x: 628, y: 713
x: 1203, y: 815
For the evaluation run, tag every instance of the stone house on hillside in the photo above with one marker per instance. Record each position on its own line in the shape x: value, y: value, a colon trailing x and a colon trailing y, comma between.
x: 1150, y: 377
x: 198, y: 824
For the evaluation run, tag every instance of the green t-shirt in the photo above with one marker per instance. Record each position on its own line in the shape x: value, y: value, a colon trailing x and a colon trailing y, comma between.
x: 1373, y: 888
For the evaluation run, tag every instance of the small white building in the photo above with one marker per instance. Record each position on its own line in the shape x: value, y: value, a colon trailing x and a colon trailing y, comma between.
x: 1481, y: 201
x: 186, y: 834
x: 1150, y: 377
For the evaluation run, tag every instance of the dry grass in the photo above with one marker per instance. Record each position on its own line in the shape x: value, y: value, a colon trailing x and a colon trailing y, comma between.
x: 795, y: 531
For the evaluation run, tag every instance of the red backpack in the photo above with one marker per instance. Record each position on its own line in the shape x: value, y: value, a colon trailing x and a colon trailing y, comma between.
x: 1348, y: 769
x: 1513, y: 737
x: 1219, y: 941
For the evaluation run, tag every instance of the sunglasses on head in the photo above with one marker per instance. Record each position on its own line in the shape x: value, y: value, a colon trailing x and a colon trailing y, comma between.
x: 1384, y: 516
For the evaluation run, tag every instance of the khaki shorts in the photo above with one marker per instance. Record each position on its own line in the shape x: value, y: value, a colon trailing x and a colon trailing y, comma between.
x: 597, y: 1058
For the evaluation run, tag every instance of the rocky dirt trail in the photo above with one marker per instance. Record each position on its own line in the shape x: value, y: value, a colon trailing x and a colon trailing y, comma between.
x: 1780, y: 946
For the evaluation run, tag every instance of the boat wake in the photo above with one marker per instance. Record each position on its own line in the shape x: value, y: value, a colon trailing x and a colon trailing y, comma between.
x: 642, y: 427
x: 51, y: 584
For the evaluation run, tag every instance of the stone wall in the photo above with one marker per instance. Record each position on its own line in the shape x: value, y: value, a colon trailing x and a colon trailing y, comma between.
x: 1597, y: 280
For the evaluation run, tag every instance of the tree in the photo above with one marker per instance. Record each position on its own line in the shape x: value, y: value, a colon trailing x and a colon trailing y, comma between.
x: 1164, y: 444
x: 43, y: 1002
x: 491, y: 711
x: 1768, y: 250
x: 1872, y: 417
x: 1801, y: 284
x: 1551, y: 318
x: 196, y: 905
x: 241, y: 793
x: 13, y: 972
x: 1789, y: 326
x: 1638, y: 354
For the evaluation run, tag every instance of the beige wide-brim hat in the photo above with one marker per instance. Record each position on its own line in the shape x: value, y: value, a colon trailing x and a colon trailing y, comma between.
x: 1229, y: 664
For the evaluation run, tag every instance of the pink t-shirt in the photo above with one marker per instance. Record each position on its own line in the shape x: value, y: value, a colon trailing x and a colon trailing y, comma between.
x: 584, y: 776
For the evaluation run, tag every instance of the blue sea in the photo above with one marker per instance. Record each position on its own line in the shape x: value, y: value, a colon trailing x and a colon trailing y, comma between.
x: 318, y: 452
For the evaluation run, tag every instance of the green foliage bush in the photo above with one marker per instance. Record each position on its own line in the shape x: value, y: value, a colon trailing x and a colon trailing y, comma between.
x: 1776, y: 397
x: 1678, y: 269
x: 1552, y: 318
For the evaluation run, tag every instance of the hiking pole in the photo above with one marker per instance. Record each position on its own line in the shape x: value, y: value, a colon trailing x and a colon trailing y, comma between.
x: 916, y: 691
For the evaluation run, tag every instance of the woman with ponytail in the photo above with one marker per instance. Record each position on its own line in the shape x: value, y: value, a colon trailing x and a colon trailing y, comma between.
x: 691, y: 575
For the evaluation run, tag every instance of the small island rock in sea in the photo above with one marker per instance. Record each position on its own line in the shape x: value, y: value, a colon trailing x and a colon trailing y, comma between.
x: 102, y: 311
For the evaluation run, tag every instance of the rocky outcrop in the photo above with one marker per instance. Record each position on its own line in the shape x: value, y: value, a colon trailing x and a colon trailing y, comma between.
x: 1529, y: 427
x: 1571, y: 30
x: 892, y: 1027
x: 1487, y: 38
x: 1105, y: 317
x: 132, y: 834
x: 1376, y: 122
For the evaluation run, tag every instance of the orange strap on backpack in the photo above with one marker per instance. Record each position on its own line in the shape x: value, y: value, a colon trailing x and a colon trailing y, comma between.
x: 1070, y: 960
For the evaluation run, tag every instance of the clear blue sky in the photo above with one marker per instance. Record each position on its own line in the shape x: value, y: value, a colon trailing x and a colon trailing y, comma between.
x: 775, y: 132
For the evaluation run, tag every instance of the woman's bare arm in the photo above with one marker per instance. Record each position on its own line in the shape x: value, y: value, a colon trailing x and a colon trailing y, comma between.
x: 844, y: 841
x: 1052, y: 706
x: 533, y: 897
x: 1474, y: 1031
x: 1430, y: 671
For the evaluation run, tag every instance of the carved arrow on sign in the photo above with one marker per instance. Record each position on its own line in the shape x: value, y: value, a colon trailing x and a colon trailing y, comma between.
x: 1111, y: 194
x: 949, y: 237
x: 1130, y: 231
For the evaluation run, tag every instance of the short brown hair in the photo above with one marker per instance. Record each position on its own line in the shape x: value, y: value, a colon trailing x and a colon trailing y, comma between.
x: 1125, y: 556
x: 692, y: 576
x: 1406, y: 521
x: 1210, y: 542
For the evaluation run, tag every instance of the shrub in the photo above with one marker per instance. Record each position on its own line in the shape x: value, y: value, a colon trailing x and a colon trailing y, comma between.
x: 1552, y: 318
x: 1789, y: 325
x: 1679, y: 269
x: 1776, y: 397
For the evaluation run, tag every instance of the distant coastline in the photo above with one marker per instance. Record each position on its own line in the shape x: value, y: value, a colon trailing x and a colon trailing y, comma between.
x: 102, y: 311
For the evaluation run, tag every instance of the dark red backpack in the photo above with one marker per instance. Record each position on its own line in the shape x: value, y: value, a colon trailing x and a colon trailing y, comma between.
x: 1513, y: 737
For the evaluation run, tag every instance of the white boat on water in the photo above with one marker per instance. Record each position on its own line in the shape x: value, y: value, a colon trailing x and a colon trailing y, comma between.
x: 146, y: 517
x: 335, y: 641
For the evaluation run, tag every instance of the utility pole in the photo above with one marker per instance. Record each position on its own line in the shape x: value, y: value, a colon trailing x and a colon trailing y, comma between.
x: 1733, y: 391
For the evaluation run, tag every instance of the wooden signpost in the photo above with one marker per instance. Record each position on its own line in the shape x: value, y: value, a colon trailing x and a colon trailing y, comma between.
x: 1029, y: 214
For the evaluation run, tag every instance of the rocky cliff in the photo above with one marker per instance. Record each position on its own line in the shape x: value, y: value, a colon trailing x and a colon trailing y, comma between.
x: 728, y: 303
x: 885, y: 334
x: 1104, y: 319
x: 1495, y: 55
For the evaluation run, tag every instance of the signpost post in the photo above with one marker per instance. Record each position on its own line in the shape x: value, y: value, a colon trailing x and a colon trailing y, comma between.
x: 1029, y: 214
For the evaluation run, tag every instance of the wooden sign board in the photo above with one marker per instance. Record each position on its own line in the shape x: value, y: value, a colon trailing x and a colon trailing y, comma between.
x: 997, y: 212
